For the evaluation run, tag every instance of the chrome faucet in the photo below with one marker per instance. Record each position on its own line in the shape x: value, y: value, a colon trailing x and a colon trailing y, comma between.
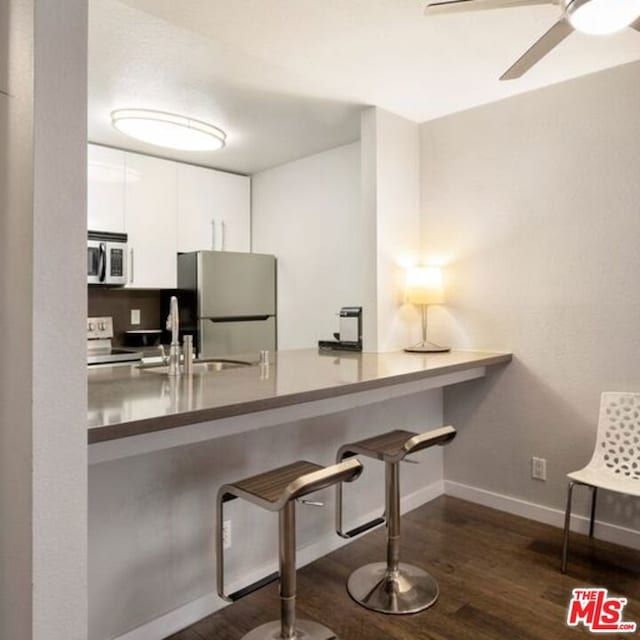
x: 173, y: 325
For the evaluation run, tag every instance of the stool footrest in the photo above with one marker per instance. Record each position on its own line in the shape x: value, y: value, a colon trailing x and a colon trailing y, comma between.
x: 367, y: 526
x: 258, y: 584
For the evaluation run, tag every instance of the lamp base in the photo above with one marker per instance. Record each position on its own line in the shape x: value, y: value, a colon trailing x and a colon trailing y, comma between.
x: 427, y: 347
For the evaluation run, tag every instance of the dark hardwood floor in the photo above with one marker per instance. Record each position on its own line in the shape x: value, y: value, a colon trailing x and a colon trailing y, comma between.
x: 499, y: 579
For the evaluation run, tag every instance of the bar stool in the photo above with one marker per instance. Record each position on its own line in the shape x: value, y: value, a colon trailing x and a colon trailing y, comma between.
x: 391, y: 586
x: 277, y: 490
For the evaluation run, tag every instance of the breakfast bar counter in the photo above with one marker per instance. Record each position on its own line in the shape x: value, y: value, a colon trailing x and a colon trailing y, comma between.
x: 127, y: 402
x: 160, y: 449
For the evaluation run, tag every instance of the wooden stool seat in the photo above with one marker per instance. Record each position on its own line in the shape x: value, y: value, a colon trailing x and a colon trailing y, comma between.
x: 395, y: 445
x: 387, y: 444
x: 269, y: 487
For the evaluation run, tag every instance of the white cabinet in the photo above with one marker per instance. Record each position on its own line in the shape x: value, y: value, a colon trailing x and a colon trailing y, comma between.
x: 150, y: 216
x: 165, y: 207
x: 106, y: 181
x: 214, y: 210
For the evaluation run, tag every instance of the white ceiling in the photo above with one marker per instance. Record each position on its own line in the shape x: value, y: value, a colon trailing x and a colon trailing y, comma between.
x: 288, y: 78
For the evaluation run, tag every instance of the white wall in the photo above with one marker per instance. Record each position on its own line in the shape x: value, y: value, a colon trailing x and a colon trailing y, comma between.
x: 42, y: 309
x: 16, y: 187
x: 536, y: 201
x: 151, y: 517
x: 391, y: 194
x: 59, y: 325
x: 344, y: 224
x: 308, y: 214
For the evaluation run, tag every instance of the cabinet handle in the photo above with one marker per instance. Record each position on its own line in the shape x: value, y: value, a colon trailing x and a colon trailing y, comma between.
x: 213, y: 234
x: 223, y: 228
x: 131, y: 265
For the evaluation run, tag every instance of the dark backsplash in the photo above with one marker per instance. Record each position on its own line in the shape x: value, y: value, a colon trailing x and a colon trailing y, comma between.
x: 118, y: 303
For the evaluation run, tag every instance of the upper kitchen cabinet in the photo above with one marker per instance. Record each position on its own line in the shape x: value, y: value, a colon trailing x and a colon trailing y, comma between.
x: 150, y: 215
x: 165, y: 207
x: 214, y: 210
x: 105, y: 189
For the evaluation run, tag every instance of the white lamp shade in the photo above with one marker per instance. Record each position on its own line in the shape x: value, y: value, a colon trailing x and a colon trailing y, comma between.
x: 424, y: 285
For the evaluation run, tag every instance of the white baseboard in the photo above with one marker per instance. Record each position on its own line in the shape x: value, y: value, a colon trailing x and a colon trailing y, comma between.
x: 191, y: 612
x: 580, y: 524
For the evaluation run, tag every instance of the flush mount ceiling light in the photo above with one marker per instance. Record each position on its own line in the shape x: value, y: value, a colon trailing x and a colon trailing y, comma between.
x: 168, y: 130
x: 596, y: 17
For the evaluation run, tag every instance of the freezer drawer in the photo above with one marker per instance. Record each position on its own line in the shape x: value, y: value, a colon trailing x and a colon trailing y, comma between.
x: 232, y: 285
x: 226, y: 338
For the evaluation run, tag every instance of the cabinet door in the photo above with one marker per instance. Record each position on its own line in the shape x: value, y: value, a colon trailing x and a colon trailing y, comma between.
x: 151, y: 209
x: 234, y: 204
x: 213, y: 210
x: 105, y: 189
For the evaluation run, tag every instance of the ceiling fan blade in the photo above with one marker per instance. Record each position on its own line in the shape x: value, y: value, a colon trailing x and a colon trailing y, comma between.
x: 457, y: 6
x: 635, y: 25
x: 539, y: 50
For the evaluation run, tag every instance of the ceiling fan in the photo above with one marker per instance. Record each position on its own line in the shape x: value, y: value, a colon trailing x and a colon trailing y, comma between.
x: 596, y: 17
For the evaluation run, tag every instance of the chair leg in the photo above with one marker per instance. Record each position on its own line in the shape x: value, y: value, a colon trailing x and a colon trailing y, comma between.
x: 392, y: 481
x: 361, y: 528
x: 594, y: 495
x: 567, y: 523
x: 220, y: 549
x: 287, y: 534
x: 289, y: 627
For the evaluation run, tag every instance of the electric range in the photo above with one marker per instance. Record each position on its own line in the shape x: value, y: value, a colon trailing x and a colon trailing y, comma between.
x: 99, y: 347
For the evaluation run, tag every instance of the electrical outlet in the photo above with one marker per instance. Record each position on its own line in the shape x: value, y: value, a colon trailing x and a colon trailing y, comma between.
x: 226, y: 534
x: 539, y: 468
x: 135, y: 316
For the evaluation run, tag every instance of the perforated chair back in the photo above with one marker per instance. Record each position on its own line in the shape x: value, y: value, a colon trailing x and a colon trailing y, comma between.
x: 617, y: 449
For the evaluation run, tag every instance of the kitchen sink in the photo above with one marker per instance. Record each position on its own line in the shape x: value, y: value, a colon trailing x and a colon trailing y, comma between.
x: 199, y: 366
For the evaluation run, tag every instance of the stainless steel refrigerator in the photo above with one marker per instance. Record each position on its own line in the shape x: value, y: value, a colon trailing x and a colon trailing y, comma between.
x: 234, y: 295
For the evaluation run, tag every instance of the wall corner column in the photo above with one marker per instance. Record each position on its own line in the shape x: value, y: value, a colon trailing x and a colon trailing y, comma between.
x: 391, y: 197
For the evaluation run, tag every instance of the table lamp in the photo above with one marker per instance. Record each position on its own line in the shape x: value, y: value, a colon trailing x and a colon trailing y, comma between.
x: 424, y: 287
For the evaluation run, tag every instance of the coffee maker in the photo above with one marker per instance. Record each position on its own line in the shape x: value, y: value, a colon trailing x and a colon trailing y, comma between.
x: 349, y: 337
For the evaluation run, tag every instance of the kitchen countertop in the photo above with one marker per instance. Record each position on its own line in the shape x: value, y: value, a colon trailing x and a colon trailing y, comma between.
x: 127, y: 401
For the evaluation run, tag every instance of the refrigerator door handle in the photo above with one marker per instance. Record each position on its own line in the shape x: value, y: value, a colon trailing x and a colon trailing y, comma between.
x: 240, y: 318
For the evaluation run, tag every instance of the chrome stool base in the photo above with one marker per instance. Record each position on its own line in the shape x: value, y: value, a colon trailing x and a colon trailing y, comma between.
x: 305, y: 630
x: 408, y: 591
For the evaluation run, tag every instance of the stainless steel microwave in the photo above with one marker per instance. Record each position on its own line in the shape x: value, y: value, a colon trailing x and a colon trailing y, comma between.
x: 107, y: 258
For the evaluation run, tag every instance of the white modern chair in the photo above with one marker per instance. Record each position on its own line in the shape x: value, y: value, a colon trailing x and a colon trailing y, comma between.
x: 615, y: 464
